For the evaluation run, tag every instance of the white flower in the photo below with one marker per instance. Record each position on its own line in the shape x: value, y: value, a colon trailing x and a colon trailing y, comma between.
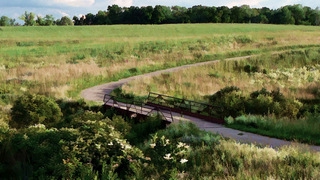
x: 98, y: 146
x: 127, y: 146
x: 167, y: 141
x: 167, y: 156
x: 153, y: 145
x: 182, y: 161
x: 180, y: 144
x: 110, y: 143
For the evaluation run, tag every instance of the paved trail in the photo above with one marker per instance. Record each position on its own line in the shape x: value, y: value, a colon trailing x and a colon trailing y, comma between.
x: 97, y: 93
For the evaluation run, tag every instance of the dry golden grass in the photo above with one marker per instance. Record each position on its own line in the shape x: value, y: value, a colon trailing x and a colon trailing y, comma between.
x: 196, y: 82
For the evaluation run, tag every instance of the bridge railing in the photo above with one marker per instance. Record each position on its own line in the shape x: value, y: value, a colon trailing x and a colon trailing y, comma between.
x: 136, y: 106
x: 184, y: 106
x: 165, y: 105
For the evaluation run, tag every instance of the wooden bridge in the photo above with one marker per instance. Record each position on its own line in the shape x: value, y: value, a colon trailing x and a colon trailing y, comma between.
x: 168, y: 107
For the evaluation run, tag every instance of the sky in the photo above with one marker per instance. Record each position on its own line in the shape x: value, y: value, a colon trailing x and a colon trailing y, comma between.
x: 59, y: 8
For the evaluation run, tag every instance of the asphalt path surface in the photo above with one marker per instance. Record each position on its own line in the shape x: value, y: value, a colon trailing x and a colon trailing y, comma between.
x: 97, y: 93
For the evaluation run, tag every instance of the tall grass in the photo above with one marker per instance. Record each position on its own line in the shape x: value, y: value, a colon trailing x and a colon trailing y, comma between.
x: 294, y: 72
x: 304, y: 130
x: 73, y: 58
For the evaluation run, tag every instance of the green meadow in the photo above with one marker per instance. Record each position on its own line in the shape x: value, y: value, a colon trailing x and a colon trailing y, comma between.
x: 273, y: 91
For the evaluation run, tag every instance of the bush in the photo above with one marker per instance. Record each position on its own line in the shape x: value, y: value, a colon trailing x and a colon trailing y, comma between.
x: 264, y: 102
x: 141, y: 131
x: 231, y: 101
x: 34, y: 109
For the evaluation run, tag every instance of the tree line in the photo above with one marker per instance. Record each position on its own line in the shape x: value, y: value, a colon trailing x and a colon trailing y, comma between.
x: 290, y: 14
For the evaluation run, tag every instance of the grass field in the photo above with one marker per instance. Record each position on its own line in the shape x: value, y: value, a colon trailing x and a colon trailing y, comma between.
x: 61, y: 61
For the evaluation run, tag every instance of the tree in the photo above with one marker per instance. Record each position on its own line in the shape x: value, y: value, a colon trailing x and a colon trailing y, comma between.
x: 283, y: 16
x: 241, y: 14
x: 312, y: 17
x: 146, y: 14
x: 28, y: 18
x: 223, y: 14
x: 6, y: 21
x: 265, y: 15
x: 76, y: 20
x: 49, y: 20
x: 40, y: 21
x: 114, y: 13
x: 101, y: 18
x: 34, y: 109
x: 298, y: 13
x: 65, y: 21
x: 202, y: 14
x: 161, y: 14
x: 179, y: 14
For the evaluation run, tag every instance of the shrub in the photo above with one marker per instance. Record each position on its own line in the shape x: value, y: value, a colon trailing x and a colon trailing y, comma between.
x: 34, y: 109
x: 141, y: 131
x: 231, y: 101
x: 264, y: 102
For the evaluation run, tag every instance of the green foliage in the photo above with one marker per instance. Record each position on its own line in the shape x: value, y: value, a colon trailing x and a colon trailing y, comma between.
x: 32, y: 152
x: 189, y: 133
x: 121, y: 125
x: 92, y: 149
x: 264, y: 102
x: 243, y: 39
x: 28, y: 18
x: 97, y: 143
x: 34, y: 109
x: 64, y: 21
x: 301, y: 130
x: 231, y: 101
x: 140, y: 131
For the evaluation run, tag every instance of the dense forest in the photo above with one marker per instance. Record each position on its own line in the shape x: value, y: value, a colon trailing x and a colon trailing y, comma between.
x: 290, y: 14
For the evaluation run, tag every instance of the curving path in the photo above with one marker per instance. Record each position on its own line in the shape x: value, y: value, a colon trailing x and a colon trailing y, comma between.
x: 97, y: 93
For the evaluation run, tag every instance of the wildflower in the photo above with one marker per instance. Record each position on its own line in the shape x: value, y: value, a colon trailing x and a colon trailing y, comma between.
x: 167, y: 156
x: 148, y: 158
x: 180, y: 144
x: 98, y: 146
x: 167, y: 141
x: 126, y: 146
x: 182, y: 161
x: 110, y: 143
x: 153, y: 145
x: 162, y: 138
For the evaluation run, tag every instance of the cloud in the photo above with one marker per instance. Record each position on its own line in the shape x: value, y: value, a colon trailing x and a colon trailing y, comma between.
x: 122, y: 3
x: 251, y: 3
x: 63, y: 13
x: 75, y: 3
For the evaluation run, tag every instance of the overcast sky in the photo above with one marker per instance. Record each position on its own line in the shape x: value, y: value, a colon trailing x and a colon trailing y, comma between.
x: 59, y: 8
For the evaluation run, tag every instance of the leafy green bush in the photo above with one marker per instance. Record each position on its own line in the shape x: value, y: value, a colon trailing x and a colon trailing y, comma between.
x: 32, y: 152
x: 91, y: 150
x: 34, y: 109
x: 264, y: 102
x: 141, y: 131
x: 231, y: 101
